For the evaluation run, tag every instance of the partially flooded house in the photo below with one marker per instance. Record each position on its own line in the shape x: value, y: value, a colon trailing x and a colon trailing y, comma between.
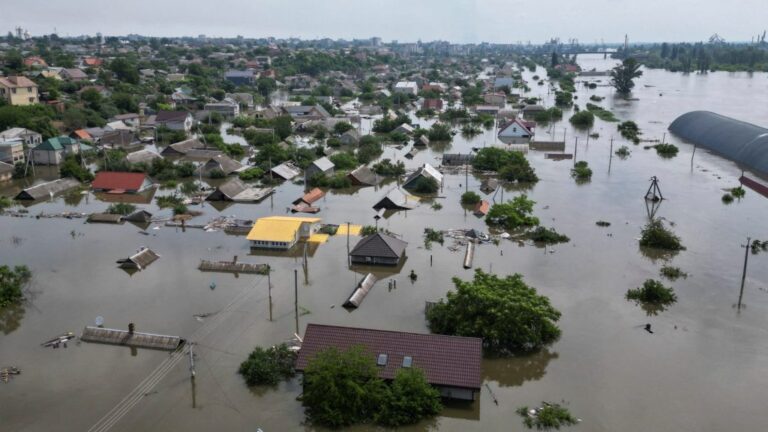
x: 281, y: 232
x: 48, y: 189
x: 425, y: 171
x: 116, y: 182
x: 236, y: 190
x: 378, y: 249
x: 363, y: 176
x: 451, y: 364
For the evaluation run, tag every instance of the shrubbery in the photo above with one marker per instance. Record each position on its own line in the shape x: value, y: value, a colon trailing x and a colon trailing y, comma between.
x: 656, y: 235
x: 268, y: 366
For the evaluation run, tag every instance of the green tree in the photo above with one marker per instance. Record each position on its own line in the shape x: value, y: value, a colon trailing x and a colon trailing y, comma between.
x: 268, y: 366
x: 344, y: 160
x: 125, y: 70
x: 341, y: 387
x: 12, y: 282
x: 470, y: 198
x: 505, y: 312
x: 513, y: 214
x: 583, y: 119
x: 283, y: 126
x: 72, y: 167
x: 410, y: 398
x: 623, y: 76
x: 341, y: 127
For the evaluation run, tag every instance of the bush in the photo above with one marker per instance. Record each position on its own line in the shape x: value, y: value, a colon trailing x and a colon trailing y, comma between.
x: 583, y: 119
x: 549, y: 416
x: 341, y: 127
x: 512, y: 166
x: 672, y: 273
x: 623, y: 152
x: 727, y: 198
x: 179, y: 209
x: 5, y: 202
x: 12, y: 282
x: 121, y: 209
x: 369, y: 149
x: 629, y: 130
x: 581, y: 171
x: 470, y: 198
x: 338, y: 180
x: 344, y: 160
x: 268, y: 366
x: 655, y: 235
x: 388, y: 169
x: 563, y: 99
x: 738, y: 192
x: 601, y: 113
x: 505, y: 312
x: 652, y: 292
x: 72, y: 167
x: 333, y: 142
x: 513, y: 214
x: 546, y: 236
x: 432, y: 235
x: 666, y: 150
x: 253, y: 173
x: 168, y: 201
x: 342, y: 388
x: 548, y: 115
x: 424, y: 185
x: 397, y: 136
x: 440, y: 132
x: 368, y: 230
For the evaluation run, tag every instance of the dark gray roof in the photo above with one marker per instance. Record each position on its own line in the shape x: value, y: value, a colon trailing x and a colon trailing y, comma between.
x: 379, y: 245
x: 739, y: 141
x: 229, y: 190
x: 171, y: 116
x: 364, y: 176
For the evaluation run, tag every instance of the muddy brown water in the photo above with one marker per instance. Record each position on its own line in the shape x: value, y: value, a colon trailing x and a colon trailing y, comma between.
x: 703, y: 369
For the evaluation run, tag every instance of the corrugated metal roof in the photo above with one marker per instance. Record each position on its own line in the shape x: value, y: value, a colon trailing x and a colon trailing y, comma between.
x: 286, y: 171
x: 445, y: 360
x: 278, y: 228
x: 739, y: 141
x: 323, y: 164
x: 47, y: 189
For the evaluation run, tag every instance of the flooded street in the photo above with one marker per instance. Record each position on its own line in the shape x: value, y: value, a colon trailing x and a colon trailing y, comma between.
x: 703, y: 369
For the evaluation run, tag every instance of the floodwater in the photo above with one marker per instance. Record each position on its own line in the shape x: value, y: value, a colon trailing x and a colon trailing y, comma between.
x: 703, y: 369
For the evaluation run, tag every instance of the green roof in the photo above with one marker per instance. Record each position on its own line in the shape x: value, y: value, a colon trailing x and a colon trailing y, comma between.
x: 56, y: 143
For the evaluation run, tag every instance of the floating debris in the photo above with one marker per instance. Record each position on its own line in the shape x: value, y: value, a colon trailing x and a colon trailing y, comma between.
x: 61, y: 339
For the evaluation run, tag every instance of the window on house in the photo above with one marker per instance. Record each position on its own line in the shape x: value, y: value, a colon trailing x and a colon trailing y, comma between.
x: 13, y: 91
x: 407, y: 361
x: 382, y: 360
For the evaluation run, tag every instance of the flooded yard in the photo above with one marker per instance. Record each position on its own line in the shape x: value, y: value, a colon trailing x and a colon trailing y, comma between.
x: 703, y: 368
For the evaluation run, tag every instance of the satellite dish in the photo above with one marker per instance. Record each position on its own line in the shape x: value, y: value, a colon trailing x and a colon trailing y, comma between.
x: 99, y: 320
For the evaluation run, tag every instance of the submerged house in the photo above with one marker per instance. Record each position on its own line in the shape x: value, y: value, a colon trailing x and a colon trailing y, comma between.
x: 364, y: 176
x: 140, y: 260
x: 181, y: 148
x: 426, y: 171
x: 450, y: 363
x: 236, y: 190
x: 320, y: 166
x: 378, y: 249
x: 53, y: 150
x: 116, y: 182
x: 222, y: 163
x: 281, y: 232
x: 48, y: 189
x: 515, y: 129
x: 285, y: 171
x: 396, y: 199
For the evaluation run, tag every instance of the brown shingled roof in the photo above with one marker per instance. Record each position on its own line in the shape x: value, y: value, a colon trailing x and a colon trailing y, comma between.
x: 445, y: 360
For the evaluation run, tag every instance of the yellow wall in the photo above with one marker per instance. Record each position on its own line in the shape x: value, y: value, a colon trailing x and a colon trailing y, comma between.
x: 21, y: 96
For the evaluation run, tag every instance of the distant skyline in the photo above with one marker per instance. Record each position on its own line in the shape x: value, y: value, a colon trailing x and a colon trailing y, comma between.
x: 457, y: 21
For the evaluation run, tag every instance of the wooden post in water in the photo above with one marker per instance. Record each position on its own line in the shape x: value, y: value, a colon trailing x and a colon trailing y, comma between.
x: 744, y: 271
x: 610, y: 156
x: 692, y: 155
x: 466, y: 178
x: 296, y: 297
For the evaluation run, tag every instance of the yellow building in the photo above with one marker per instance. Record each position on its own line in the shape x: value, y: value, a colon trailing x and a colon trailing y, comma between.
x: 18, y: 90
x: 281, y: 232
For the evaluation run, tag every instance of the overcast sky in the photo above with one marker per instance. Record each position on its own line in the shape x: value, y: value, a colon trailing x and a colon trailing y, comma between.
x: 461, y: 21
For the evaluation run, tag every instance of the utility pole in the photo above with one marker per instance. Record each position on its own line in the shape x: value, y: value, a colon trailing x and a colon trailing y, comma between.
x: 269, y: 289
x: 296, y: 297
x: 575, y: 151
x: 744, y: 272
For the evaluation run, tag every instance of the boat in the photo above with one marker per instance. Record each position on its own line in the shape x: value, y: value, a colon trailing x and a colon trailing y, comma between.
x: 62, y: 338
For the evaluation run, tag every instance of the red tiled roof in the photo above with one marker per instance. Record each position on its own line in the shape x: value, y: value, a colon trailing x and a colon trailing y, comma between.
x: 82, y: 134
x: 433, y: 104
x: 445, y: 360
x: 481, y: 209
x: 112, y: 180
x: 313, y: 195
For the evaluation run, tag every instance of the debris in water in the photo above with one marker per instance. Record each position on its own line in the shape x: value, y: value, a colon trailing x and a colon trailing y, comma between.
x: 648, y: 328
x: 60, y: 339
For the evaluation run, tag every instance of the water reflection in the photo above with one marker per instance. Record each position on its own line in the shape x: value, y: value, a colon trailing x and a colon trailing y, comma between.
x: 515, y: 371
x: 10, y: 318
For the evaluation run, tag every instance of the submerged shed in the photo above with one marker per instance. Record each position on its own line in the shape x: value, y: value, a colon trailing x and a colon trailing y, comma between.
x: 285, y: 171
x: 105, y: 218
x: 364, y: 176
x: 140, y: 260
x: 426, y: 171
x: 358, y: 295
x: 236, y: 190
x: 131, y: 338
x: 139, y: 216
x: 48, y: 189
x: 736, y: 140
